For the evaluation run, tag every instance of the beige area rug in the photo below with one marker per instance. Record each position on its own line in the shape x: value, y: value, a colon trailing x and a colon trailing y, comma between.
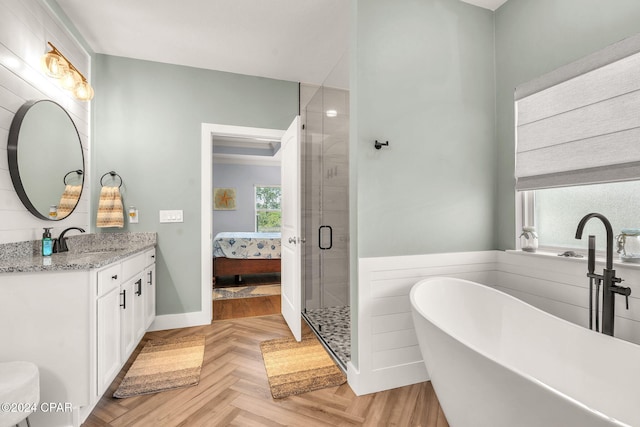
x: 233, y: 292
x: 299, y: 367
x: 164, y: 365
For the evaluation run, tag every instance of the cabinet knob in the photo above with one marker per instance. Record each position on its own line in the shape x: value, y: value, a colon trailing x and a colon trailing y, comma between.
x: 114, y: 277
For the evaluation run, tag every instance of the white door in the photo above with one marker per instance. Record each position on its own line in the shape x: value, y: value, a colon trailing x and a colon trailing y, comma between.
x: 291, y: 276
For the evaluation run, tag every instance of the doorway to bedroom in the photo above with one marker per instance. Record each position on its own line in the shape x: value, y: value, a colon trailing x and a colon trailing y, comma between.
x: 246, y: 200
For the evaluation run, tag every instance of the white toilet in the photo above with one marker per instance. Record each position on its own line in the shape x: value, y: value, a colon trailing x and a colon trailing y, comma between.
x: 19, y: 392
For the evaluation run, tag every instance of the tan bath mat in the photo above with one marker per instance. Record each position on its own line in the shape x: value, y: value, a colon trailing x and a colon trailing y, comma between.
x: 299, y: 367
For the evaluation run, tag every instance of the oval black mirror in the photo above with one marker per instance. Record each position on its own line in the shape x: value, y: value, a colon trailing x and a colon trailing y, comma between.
x: 46, y: 161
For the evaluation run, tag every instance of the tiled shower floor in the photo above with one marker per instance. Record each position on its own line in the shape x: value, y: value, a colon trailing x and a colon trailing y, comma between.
x: 333, y: 324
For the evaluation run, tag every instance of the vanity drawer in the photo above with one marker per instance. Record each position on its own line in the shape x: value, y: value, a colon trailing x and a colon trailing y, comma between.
x: 150, y: 257
x: 109, y: 278
x: 133, y: 265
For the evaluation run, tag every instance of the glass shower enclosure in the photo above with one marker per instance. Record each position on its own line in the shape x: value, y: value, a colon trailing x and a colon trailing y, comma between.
x: 326, y: 218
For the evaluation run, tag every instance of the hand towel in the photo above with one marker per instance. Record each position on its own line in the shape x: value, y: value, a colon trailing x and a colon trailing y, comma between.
x: 69, y: 199
x: 110, y: 211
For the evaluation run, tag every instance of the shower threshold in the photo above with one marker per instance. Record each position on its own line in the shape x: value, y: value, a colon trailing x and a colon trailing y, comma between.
x: 332, y: 325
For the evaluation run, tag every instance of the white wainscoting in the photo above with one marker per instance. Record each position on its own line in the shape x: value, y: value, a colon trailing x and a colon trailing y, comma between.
x: 559, y: 286
x: 25, y: 28
x: 389, y: 356
x: 388, y: 350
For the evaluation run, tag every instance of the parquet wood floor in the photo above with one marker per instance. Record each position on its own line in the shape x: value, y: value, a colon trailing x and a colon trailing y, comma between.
x: 246, y: 307
x: 234, y: 391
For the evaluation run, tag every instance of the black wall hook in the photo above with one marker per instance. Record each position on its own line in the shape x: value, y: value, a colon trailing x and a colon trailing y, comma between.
x: 379, y: 145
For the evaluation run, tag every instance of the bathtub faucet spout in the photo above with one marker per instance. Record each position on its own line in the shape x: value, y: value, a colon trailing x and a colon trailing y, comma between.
x: 608, y: 276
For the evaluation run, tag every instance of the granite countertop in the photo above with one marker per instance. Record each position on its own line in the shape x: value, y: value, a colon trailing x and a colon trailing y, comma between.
x: 86, y: 251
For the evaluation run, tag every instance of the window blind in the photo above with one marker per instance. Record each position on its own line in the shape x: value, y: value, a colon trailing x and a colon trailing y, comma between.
x: 580, y: 124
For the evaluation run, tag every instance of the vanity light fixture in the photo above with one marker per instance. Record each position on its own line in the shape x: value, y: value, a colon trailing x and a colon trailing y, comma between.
x: 56, y: 66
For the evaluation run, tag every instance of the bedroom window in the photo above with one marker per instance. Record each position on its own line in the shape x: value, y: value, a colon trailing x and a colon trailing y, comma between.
x: 268, y: 213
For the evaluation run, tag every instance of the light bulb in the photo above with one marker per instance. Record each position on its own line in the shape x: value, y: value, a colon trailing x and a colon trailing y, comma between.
x: 83, y: 92
x: 53, y: 65
x: 70, y: 80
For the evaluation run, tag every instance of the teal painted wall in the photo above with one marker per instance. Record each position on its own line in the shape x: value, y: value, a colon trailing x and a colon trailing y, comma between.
x: 147, y: 127
x: 534, y: 37
x: 424, y: 81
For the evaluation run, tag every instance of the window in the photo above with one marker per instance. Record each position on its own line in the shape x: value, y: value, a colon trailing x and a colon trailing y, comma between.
x: 557, y: 211
x: 577, y: 132
x: 268, y: 213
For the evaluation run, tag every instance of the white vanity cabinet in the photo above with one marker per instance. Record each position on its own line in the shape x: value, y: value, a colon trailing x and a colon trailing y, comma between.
x: 66, y: 314
x: 108, y: 325
x: 123, y: 300
x: 150, y: 288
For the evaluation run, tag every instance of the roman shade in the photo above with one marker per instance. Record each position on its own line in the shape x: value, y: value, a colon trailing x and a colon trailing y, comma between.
x: 580, y: 124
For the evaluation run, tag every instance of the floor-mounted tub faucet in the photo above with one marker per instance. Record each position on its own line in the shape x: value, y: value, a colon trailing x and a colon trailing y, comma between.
x: 608, y: 276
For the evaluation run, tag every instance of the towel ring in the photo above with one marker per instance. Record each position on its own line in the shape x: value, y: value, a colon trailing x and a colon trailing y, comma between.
x: 79, y: 172
x: 113, y: 175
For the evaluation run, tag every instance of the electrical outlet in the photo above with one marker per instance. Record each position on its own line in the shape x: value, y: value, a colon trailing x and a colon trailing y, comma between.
x: 133, y: 216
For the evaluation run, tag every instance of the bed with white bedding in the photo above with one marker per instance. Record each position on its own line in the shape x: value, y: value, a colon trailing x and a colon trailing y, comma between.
x: 238, y: 253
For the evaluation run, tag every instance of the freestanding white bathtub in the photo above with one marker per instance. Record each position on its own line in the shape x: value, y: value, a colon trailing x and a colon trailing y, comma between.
x: 496, y: 361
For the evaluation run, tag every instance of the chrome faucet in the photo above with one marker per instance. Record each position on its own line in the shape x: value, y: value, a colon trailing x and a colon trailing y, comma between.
x: 60, y: 244
x: 608, y: 276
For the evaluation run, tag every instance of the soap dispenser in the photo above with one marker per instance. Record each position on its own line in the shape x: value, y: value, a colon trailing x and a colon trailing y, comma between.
x: 47, y: 243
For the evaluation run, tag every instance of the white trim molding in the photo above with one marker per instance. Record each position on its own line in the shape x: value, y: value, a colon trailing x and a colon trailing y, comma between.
x: 206, y: 238
x: 181, y: 320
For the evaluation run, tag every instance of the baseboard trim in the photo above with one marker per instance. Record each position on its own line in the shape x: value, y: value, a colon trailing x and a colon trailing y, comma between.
x: 181, y: 320
x: 386, y: 379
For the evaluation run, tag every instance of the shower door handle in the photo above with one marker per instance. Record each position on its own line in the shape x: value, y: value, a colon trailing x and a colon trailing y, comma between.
x: 324, y: 248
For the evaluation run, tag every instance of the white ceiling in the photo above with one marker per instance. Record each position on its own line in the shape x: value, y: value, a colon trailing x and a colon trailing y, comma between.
x: 487, y: 4
x: 295, y: 40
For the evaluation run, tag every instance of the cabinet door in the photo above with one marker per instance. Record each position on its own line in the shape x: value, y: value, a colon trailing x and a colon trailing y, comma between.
x: 139, y: 294
x: 108, y: 335
x: 127, y: 341
x: 150, y: 295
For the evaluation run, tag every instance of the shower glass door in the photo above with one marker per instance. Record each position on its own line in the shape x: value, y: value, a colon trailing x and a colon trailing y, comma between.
x: 326, y: 218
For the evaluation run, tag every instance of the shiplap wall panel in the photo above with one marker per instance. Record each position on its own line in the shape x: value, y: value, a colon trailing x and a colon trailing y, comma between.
x: 391, y: 322
x: 13, y: 87
x: 561, y: 287
x: 389, y: 355
x: 391, y: 305
x: 25, y: 28
x: 387, y: 343
x: 395, y: 339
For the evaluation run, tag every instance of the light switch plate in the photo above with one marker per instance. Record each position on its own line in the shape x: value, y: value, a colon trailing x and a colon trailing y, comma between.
x: 171, y: 216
